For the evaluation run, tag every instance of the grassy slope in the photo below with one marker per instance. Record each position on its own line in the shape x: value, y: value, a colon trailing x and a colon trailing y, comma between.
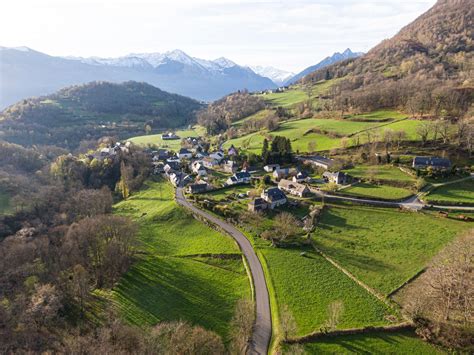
x: 307, y: 285
x: 403, y: 342
x: 256, y: 116
x: 385, y: 192
x: 381, y: 172
x: 164, y: 284
x: 379, y: 115
x: 383, y: 247
x: 458, y: 192
x: 4, y: 203
x: 155, y: 139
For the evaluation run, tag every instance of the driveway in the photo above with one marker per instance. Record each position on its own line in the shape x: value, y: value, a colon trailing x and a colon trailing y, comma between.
x: 263, y: 325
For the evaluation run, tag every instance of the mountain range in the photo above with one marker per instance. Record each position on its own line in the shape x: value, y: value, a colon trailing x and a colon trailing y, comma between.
x: 335, y: 58
x: 26, y: 72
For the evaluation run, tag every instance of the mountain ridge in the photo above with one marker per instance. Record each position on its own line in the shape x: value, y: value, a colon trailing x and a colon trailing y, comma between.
x: 329, y: 60
x: 26, y: 72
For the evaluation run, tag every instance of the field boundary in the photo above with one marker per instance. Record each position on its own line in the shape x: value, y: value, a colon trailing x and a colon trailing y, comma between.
x: 408, y: 325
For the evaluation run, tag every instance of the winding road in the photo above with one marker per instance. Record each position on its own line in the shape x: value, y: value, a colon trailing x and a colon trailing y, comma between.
x: 263, y: 325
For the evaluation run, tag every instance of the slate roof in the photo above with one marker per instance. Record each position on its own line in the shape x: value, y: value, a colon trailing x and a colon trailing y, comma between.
x: 275, y: 194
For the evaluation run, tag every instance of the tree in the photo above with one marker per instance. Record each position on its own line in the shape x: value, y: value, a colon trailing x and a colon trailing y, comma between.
x: 423, y: 130
x: 286, y: 226
x: 265, y: 151
x: 147, y: 129
x: 242, y: 325
x: 80, y: 288
x: 312, y: 146
x: 287, y: 322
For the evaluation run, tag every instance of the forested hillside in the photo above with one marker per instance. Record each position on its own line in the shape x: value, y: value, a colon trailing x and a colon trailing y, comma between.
x: 426, y: 68
x: 93, y: 110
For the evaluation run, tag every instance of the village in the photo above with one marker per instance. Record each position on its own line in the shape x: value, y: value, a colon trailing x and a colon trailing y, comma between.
x: 261, y: 187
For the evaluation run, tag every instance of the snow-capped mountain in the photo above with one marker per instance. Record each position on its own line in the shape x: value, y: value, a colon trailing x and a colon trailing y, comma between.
x: 26, y: 72
x: 336, y: 57
x: 278, y: 76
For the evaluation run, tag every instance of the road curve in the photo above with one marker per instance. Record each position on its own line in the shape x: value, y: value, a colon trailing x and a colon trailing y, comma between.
x: 263, y: 325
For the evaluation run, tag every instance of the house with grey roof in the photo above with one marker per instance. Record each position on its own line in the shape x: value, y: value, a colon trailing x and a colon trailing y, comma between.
x: 274, y: 197
x: 433, y: 162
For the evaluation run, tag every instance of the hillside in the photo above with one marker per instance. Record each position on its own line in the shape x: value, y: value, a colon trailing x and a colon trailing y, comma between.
x: 26, y: 72
x: 430, y: 58
x: 93, y: 110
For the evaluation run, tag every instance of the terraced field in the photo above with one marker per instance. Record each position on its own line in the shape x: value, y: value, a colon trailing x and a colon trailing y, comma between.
x: 185, y: 271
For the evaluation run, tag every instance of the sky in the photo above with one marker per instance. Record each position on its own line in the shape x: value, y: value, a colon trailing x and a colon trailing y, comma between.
x: 290, y: 35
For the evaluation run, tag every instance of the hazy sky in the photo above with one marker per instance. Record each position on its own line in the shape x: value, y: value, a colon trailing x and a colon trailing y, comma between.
x: 286, y: 34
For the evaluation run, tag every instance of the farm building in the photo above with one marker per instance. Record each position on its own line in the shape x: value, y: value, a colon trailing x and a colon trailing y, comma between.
x: 337, y: 178
x: 318, y: 161
x: 293, y: 188
x: 198, y: 187
x: 433, y: 162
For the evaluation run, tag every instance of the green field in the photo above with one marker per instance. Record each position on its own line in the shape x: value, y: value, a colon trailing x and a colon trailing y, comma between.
x: 378, y: 115
x: 308, y: 284
x: 155, y: 139
x: 380, y: 172
x: 296, y: 94
x: 256, y: 116
x: 459, y: 192
x: 4, y: 203
x: 401, y: 342
x: 383, y: 247
x: 385, y: 192
x: 182, y: 272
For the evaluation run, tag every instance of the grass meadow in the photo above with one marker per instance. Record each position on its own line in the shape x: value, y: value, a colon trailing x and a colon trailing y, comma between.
x: 4, y: 203
x: 384, y: 192
x: 308, y: 284
x: 380, y: 172
x: 155, y: 139
x: 383, y: 247
x: 178, y: 274
x: 459, y: 192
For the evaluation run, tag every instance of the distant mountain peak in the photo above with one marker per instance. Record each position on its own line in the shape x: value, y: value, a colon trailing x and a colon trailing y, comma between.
x: 336, y: 57
x: 224, y: 62
x: 278, y: 76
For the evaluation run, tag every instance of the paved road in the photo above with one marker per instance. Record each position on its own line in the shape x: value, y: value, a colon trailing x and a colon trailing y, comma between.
x: 263, y: 325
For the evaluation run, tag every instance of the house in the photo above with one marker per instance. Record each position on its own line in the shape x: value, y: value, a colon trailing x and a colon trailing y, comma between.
x: 210, y: 162
x: 241, y: 177
x: 293, y: 188
x: 169, y: 136
x: 257, y: 205
x: 301, y: 177
x: 337, y: 178
x: 230, y: 166
x: 283, y: 173
x: 271, y: 167
x: 184, y: 154
x: 232, y: 151
x: 198, y: 187
x: 274, y: 197
x: 175, y: 178
x: 158, y: 168
x: 198, y: 168
x: 160, y: 154
x: 217, y: 156
x: 317, y: 161
x: 433, y: 162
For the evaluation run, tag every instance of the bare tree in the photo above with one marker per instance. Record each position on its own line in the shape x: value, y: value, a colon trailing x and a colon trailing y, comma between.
x: 423, y: 130
x: 242, y: 325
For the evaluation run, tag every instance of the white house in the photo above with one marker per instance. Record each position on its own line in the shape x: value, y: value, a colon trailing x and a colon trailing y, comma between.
x: 274, y: 197
x: 241, y: 177
x: 217, y: 156
x: 198, y: 168
x: 301, y: 177
x: 293, y: 188
x: 210, y: 162
x: 271, y: 167
x: 184, y: 154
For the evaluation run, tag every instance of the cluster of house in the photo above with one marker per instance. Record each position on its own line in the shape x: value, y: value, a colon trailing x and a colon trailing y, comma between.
x: 111, y: 151
x: 169, y: 136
